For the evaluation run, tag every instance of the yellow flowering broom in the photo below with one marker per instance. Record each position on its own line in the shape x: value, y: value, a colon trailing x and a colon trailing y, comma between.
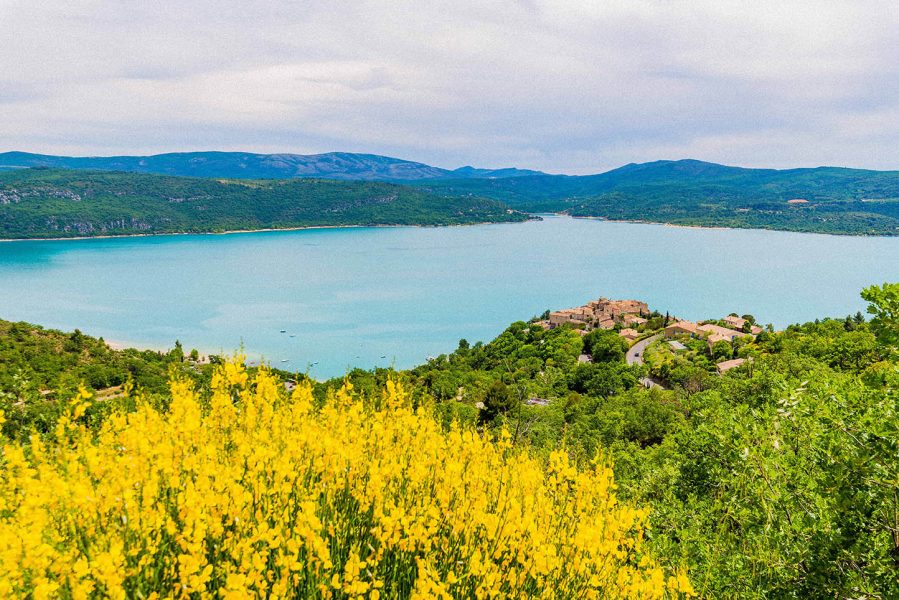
x: 254, y: 493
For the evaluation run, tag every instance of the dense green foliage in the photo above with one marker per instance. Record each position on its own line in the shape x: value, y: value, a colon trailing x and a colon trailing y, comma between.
x: 686, y: 192
x: 42, y: 368
x: 36, y: 203
x: 779, y: 478
x: 689, y: 192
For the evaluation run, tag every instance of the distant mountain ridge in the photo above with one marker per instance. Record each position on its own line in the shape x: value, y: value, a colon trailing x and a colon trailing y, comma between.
x: 681, y: 192
x: 692, y: 192
x: 246, y: 165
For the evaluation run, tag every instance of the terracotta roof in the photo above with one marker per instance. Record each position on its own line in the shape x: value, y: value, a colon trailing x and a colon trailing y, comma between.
x: 724, y: 331
x: 685, y: 325
x: 735, y: 322
x: 727, y: 365
x: 717, y: 337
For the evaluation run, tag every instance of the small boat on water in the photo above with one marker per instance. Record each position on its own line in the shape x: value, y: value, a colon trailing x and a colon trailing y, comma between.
x: 385, y: 356
x: 285, y: 360
x: 283, y: 331
x: 292, y: 335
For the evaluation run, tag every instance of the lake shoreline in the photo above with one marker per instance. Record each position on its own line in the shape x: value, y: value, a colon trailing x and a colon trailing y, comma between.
x: 262, y: 230
x: 725, y: 228
x: 251, y: 359
x: 351, y: 297
x: 532, y: 217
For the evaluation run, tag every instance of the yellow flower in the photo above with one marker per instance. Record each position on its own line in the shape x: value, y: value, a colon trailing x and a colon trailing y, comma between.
x: 250, y: 492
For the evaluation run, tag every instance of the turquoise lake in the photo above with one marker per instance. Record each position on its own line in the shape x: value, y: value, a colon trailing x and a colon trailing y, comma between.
x: 393, y: 296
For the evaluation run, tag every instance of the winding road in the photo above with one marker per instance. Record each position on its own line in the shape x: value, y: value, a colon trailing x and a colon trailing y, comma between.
x: 634, y: 356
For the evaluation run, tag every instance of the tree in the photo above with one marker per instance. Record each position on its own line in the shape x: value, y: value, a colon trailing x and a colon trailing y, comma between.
x: 177, y: 353
x: 721, y: 350
x: 498, y: 400
x: 75, y: 342
x: 854, y: 349
x: 605, y: 346
x: 601, y: 379
x: 884, y: 305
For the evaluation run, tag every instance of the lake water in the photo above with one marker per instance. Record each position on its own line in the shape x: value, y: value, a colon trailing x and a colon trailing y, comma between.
x: 381, y: 296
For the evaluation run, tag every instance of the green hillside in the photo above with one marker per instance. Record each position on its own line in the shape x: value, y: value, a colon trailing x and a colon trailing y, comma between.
x: 41, y: 202
x: 689, y: 192
x: 38, y: 203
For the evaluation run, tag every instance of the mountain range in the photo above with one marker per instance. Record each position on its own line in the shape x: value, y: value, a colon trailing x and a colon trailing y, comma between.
x: 245, y: 165
x: 682, y: 192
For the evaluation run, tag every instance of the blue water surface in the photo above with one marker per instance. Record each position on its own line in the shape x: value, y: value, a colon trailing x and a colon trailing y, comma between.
x: 393, y: 296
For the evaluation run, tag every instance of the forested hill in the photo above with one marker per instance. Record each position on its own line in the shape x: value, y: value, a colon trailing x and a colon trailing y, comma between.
x: 40, y: 203
x: 247, y: 165
x: 683, y: 192
x: 690, y: 192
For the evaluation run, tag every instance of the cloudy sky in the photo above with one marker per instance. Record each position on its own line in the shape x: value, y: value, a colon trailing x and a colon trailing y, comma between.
x: 573, y: 87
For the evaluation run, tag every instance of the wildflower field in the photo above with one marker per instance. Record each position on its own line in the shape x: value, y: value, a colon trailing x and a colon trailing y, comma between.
x: 251, y: 492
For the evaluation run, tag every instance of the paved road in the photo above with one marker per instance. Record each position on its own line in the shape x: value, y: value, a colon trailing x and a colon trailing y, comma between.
x: 634, y: 356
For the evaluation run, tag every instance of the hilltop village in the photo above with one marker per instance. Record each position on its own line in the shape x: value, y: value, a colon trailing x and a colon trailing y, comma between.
x: 662, y: 335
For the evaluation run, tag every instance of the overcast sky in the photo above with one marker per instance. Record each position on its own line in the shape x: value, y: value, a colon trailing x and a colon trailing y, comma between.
x: 574, y: 87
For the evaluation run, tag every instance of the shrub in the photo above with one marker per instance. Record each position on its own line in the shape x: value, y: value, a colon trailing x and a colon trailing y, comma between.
x: 252, y: 492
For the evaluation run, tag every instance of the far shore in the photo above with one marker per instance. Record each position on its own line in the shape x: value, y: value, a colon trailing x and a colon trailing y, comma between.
x: 262, y: 230
x: 118, y: 345
x: 533, y: 217
x: 724, y: 228
x: 665, y: 224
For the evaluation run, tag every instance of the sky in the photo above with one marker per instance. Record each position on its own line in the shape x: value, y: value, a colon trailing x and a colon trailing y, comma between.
x: 561, y: 86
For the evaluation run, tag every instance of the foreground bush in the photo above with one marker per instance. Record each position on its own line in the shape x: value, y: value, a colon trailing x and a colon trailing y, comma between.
x: 252, y: 493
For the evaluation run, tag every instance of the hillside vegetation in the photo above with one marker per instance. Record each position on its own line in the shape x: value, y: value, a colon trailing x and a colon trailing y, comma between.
x: 688, y: 192
x: 777, y: 479
x: 37, y: 203
x: 684, y: 192
x: 249, y: 492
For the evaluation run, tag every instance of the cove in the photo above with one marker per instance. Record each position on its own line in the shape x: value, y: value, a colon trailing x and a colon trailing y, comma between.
x: 365, y: 297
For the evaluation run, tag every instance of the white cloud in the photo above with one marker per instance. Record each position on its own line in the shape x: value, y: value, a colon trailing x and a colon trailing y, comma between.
x: 556, y: 85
